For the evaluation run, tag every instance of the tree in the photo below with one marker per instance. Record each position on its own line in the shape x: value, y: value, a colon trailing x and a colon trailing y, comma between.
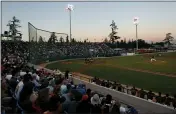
x: 168, y: 39
x: 143, y: 44
x: 159, y: 43
x: 130, y: 44
x: 40, y: 39
x: 124, y: 40
x: 13, y: 28
x: 112, y: 35
x: 53, y: 38
x: 106, y: 40
x: 73, y: 40
x: 121, y: 43
x: 61, y: 39
x: 67, y: 40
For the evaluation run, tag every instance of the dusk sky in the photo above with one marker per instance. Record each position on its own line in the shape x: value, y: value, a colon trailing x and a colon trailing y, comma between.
x: 92, y: 19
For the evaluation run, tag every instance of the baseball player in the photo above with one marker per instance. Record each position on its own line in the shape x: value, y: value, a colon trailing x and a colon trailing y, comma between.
x: 153, y: 59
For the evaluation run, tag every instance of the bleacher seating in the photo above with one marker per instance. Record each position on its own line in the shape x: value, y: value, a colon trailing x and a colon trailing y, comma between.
x: 57, y: 94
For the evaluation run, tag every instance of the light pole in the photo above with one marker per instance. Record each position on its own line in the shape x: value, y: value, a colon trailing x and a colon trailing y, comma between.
x: 136, y: 22
x: 70, y: 8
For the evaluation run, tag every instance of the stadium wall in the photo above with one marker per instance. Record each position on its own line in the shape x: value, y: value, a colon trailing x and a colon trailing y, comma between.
x: 142, y: 105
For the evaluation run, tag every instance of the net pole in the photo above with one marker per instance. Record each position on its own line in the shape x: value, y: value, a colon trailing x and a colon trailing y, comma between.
x: 29, y: 42
x: 70, y: 23
x: 36, y: 35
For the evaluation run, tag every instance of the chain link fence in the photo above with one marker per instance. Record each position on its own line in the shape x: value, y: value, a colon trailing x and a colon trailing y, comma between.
x: 43, y: 45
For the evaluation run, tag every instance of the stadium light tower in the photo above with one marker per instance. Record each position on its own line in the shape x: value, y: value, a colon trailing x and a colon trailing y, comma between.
x: 136, y: 22
x: 70, y: 9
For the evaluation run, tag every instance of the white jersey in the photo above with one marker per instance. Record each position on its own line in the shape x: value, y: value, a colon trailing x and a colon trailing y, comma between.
x: 18, y: 89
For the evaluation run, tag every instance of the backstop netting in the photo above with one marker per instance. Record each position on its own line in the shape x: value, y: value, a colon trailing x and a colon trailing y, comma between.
x: 43, y: 44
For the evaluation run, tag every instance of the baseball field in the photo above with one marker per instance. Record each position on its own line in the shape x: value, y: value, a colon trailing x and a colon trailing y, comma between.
x: 158, y: 76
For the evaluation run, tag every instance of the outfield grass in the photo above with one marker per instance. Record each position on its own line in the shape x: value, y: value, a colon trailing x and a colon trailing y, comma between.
x: 110, y: 68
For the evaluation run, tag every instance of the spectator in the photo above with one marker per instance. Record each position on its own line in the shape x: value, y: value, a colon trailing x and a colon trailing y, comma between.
x: 142, y: 93
x: 51, y: 86
x: 88, y: 92
x: 68, y: 97
x: 107, y: 104
x: 43, y: 99
x: 57, y: 87
x: 133, y: 91
x: 116, y: 108
x: 159, y: 98
x: 98, y: 81
x: 132, y: 110
x: 24, y: 99
x: 81, y: 89
x: 54, y: 105
x: 95, y: 101
x: 26, y: 78
x: 34, y: 80
x: 103, y: 83
x: 150, y: 95
x: 13, y: 83
x: 154, y: 99
x: 119, y: 87
x: 167, y: 100
x: 107, y: 84
x: 126, y: 89
x: 75, y: 101
x: 84, y: 107
x: 44, y: 83
x: 63, y: 88
x: 114, y: 86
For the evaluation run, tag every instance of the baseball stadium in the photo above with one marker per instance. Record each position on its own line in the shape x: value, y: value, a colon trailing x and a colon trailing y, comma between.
x: 55, y: 73
x: 136, y: 80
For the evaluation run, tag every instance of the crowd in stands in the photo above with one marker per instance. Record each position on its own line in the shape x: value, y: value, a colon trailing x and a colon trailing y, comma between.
x: 29, y: 90
x: 85, y: 49
x: 10, y: 50
x: 77, y: 50
x: 40, y: 52
x: 25, y: 89
x: 148, y: 95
